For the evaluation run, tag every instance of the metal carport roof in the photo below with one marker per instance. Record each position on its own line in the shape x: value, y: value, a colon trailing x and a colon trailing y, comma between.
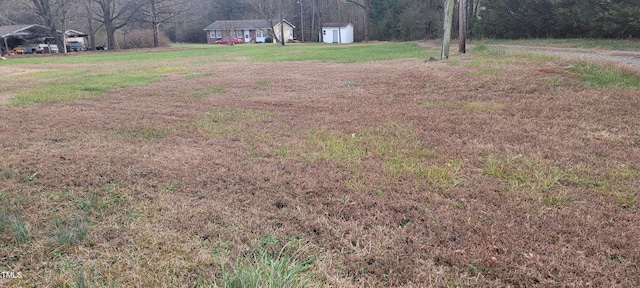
x: 28, y: 31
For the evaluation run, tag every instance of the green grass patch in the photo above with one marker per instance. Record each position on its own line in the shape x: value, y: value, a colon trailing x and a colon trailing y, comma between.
x: 553, y: 81
x: 522, y: 172
x: 378, y: 158
x: 170, y: 69
x: 611, y: 44
x: 489, y: 70
x: 437, y: 177
x: 203, y: 93
x: 196, y: 75
x: 264, y: 82
x: 617, y: 182
x: 471, y: 107
x: 269, y: 270
x: 391, y: 140
x: 484, y: 50
x: 258, y: 53
x: 82, y: 87
x: 172, y: 186
x: 338, y: 53
x: 558, y: 200
x: 144, y: 133
x: 537, y: 57
x: 498, y: 55
x: 439, y: 104
x: 482, y: 107
x: 69, y: 231
x: 606, y: 77
x: 228, y: 122
x: 476, y: 63
x: 5, y: 174
x: 20, y: 230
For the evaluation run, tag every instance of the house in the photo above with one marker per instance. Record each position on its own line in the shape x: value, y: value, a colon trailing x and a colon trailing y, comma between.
x: 76, y: 36
x: 337, y: 33
x: 251, y: 31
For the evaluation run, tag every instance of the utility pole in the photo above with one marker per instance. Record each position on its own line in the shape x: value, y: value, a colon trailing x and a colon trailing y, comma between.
x: 448, y: 20
x: 340, y: 24
x: 301, y: 21
x: 281, y: 22
x: 462, y: 23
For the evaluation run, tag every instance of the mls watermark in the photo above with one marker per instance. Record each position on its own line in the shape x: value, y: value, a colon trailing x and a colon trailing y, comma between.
x: 10, y: 275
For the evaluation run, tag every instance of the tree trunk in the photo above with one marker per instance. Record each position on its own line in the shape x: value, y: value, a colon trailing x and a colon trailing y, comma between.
x: 448, y: 21
x: 92, y: 33
x: 320, y: 24
x: 281, y: 22
x: 111, y: 35
x: 339, y: 28
x: 155, y: 24
x: 367, y: 19
x: 462, y: 27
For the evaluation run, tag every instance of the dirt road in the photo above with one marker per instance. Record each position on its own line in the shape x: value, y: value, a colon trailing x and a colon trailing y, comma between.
x: 631, y: 58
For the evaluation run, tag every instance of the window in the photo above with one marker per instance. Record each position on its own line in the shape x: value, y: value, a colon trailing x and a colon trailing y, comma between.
x: 218, y: 34
x: 260, y: 34
x: 324, y: 32
x: 238, y: 34
x: 212, y: 34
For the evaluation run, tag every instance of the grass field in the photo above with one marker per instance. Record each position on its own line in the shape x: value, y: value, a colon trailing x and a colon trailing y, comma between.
x: 630, y: 44
x: 367, y: 165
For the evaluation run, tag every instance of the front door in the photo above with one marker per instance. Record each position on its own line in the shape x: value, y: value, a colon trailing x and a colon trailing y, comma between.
x: 335, y: 36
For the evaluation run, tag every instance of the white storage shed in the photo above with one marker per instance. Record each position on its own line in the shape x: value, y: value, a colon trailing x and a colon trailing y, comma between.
x: 337, y: 33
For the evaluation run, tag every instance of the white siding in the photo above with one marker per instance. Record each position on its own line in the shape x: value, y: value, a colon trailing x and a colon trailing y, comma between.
x: 344, y: 33
x: 288, y: 32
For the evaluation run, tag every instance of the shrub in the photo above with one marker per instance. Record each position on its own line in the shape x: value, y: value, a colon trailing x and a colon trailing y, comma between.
x: 142, y: 38
x: 268, y: 40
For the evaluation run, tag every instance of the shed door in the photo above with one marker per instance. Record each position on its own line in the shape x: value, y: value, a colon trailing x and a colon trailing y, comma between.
x: 335, y: 36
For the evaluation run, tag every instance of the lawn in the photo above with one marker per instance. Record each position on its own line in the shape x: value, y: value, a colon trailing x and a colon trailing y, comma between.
x: 318, y: 166
x: 611, y: 44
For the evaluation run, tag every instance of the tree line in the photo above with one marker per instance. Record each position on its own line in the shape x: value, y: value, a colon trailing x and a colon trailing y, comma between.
x: 558, y: 19
x: 394, y: 20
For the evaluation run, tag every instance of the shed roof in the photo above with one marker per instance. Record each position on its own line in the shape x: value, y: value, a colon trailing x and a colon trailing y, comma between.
x: 243, y: 24
x: 26, y: 31
x: 75, y: 33
x: 336, y: 24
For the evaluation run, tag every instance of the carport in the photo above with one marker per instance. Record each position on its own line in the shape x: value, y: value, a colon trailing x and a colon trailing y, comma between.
x: 18, y: 33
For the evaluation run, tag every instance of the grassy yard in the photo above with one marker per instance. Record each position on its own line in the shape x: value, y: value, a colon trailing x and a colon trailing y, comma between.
x: 632, y: 44
x: 316, y: 165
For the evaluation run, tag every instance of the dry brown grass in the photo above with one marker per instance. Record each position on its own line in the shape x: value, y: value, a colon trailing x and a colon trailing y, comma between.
x: 171, y: 187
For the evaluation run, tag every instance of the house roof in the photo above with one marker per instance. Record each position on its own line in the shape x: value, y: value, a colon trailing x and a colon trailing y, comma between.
x: 243, y: 24
x: 28, y: 31
x: 336, y: 24
x: 75, y: 33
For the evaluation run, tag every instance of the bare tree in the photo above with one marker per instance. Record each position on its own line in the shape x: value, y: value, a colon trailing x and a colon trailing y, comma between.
x: 88, y: 6
x: 156, y: 12
x: 115, y: 14
x: 317, y: 6
x: 53, y: 14
x: 366, y: 6
x: 268, y: 10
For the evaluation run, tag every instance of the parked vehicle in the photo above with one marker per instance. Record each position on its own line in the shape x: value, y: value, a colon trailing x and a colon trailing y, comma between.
x: 17, y: 51
x: 74, y: 46
x: 40, y: 48
x: 227, y: 40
